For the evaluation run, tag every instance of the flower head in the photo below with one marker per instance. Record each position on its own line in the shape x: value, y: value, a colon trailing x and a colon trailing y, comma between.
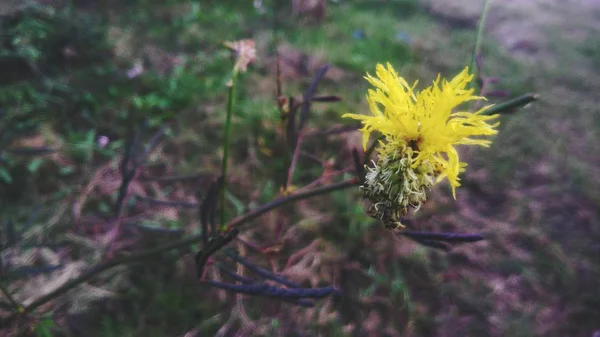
x: 245, y: 51
x: 420, y: 131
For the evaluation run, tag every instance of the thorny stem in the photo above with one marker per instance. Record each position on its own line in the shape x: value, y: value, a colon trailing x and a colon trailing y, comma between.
x: 255, y: 213
x: 230, y: 100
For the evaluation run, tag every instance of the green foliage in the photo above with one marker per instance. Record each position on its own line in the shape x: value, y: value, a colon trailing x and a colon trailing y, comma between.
x: 369, y: 36
x: 12, y: 128
x: 44, y: 327
x: 591, y: 49
x: 40, y: 46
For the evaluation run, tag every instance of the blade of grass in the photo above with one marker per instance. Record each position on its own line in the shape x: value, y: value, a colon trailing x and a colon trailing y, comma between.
x: 511, y: 105
x: 478, y: 41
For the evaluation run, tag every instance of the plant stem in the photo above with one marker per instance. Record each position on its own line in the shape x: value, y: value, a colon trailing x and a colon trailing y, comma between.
x: 479, y: 40
x: 255, y: 213
x: 230, y: 101
x: 371, y: 149
x: 292, y: 165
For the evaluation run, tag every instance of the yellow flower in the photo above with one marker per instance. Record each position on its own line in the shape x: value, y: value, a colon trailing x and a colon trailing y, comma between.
x: 420, y: 129
x: 425, y: 121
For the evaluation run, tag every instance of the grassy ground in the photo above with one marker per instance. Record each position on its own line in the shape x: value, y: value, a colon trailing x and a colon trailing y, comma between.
x: 533, y: 194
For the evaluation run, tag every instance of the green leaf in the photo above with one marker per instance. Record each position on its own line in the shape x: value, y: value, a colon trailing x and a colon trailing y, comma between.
x: 511, y: 105
x: 4, y: 175
x: 44, y: 328
x: 237, y: 203
x: 34, y: 165
x: 66, y: 170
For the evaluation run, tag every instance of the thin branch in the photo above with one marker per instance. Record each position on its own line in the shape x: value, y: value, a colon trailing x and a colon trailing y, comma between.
x: 448, y: 237
x: 263, y: 272
x: 327, y: 99
x: 246, y: 280
x: 358, y: 165
x: 235, y: 276
x: 177, y: 244
x: 151, y: 145
x: 263, y: 289
x: 127, y: 175
x: 213, y: 246
x: 433, y: 244
x: 308, y: 95
x: 255, y: 213
x: 294, y: 162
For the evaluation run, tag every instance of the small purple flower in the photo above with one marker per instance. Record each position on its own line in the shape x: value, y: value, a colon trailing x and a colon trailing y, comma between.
x: 102, y: 142
x: 135, y: 71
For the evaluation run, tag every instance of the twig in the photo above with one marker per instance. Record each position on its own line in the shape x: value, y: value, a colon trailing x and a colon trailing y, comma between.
x: 308, y: 95
x: 290, y: 135
x: 358, y: 166
x: 255, y: 213
x: 212, y: 247
x: 448, y: 237
x: 177, y: 244
x: 440, y: 240
x: 250, y: 244
x: 127, y: 175
x: 294, y: 162
x: 247, y: 280
x: 294, y: 134
x: 262, y: 272
x: 266, y: 290
x: 235, y: 276
x: 327, y: 99
x: 324, y: 177
x: 151, y: 145
x: 433, y: 244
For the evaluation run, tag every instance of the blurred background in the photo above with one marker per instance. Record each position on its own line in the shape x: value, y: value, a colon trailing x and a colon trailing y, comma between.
x: 78, y: 79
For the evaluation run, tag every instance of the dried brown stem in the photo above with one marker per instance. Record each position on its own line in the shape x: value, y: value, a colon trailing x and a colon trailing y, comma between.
x: 177, y: 244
